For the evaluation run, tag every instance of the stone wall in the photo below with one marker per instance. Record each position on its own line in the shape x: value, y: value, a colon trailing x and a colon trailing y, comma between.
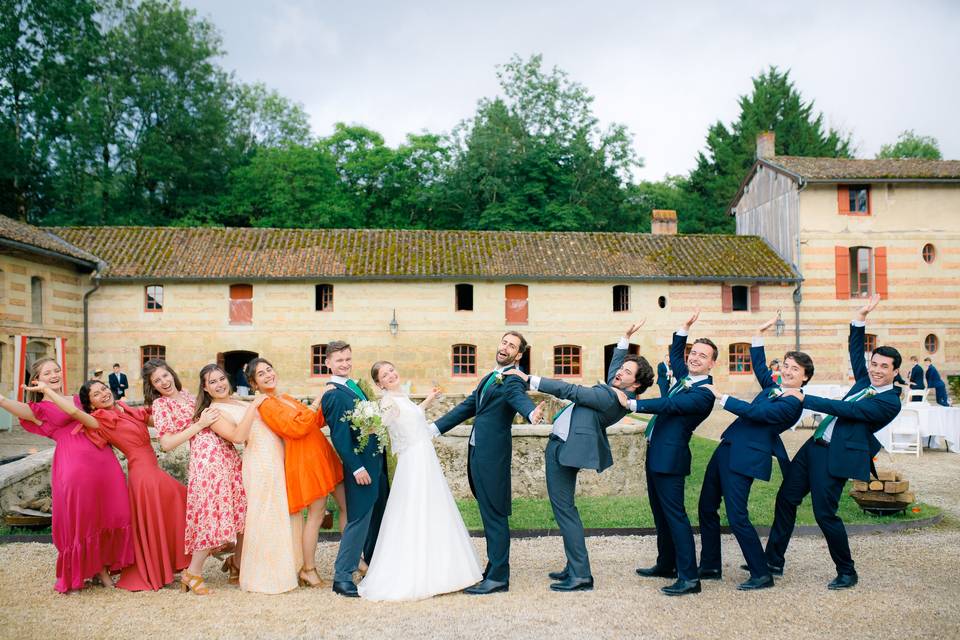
x: 25, y: 480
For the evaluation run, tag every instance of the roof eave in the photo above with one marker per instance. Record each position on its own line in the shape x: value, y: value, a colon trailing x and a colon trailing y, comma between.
x: 30, y: 248
x: 767, y: 279
x: 731, y: 208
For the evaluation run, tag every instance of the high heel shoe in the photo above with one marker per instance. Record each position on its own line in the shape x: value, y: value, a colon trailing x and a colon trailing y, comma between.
x: 190, y: 582
x: 304, y: 575
x: 327, y: 522
x: 230, y: 566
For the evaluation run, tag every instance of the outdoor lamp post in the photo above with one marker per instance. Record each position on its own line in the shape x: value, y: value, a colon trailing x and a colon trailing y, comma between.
x: 779, y: 325
x: 394, y: 325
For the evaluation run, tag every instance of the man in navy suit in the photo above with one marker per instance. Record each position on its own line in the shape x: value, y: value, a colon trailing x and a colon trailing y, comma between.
x: 663, y: 376
x: 118, y: 382
x: 579, y: 441
x: 364, y: 473
x: 842, y: 447
x: 935, y: 382
x: 493, y: 404
x: 744, y: 455
x: 916, y: 374
x: 686, y: 405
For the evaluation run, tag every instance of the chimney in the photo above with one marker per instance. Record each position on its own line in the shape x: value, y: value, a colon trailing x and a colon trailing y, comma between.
x: 663, y: 222
x: 766, y: 145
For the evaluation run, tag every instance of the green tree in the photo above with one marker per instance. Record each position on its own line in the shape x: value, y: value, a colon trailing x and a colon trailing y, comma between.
x: 775, y: 105
x: 910, y: 145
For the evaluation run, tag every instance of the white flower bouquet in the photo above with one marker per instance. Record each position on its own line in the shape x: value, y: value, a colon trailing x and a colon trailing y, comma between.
x: 366, y: 419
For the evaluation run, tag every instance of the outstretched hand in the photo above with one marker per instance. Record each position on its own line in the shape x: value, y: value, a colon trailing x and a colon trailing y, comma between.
x: 516, y: 372
x: 769, y: 323
x: 793, y: 393
x: 622, y: 397
x: 633, y: 328
x: 691, y: 320
x: 536, y: 416
x: 39, y: 387
x: 868, y: 307
x: 712, y: 389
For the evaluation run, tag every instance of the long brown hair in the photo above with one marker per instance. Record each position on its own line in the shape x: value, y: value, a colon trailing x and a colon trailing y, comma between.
x: 149, y: 368
x: 250, y: 371
x: 203, y: 398
x: 85, y: 394
x: 36, y: 396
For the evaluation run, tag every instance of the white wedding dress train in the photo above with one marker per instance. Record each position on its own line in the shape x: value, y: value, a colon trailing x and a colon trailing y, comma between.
x: 423, y: 548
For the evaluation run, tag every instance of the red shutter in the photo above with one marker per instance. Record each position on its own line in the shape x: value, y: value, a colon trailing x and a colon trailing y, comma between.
x: 516, y: 304
x: 726, y: 297
x: 843, y: 200
x: 880, y: 266
x: 842, y: 255
x: 755, y: 298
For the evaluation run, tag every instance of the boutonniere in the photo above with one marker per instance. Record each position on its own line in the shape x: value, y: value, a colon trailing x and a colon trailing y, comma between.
x: 871, y: 392
x: 776, y: 392
x: 498, y: 377
x: 687, y: 384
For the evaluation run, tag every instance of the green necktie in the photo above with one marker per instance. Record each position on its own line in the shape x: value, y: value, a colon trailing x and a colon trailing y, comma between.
x: 773, y: 392
x: 676, y: 389
x: 353, y: 386
x: 828, y: 420
x: 553, y: 420
x: 486, y: 385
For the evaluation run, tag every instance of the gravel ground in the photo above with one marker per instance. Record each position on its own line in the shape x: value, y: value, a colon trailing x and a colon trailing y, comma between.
x: 907, y: 590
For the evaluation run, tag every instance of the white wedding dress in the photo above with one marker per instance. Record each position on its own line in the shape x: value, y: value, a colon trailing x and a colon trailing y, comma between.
x: 423, y: 548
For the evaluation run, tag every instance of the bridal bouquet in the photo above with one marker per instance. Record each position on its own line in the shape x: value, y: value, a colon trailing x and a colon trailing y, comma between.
x: 366, y: 419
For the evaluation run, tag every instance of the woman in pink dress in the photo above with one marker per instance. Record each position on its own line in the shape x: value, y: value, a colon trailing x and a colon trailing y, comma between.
x: 91, y: 511
x: 158, y: 503
x: 216, y: 503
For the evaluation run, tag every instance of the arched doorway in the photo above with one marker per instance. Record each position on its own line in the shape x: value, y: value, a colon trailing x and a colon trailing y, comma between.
x: 233, y: 362
x: 35, y: 351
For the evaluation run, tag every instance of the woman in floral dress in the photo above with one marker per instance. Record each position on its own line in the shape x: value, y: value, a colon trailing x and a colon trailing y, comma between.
x: 216, y: 502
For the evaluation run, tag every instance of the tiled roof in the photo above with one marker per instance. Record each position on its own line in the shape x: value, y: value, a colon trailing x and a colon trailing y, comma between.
x: 35, y: 237
x: 252, y: 253
x: 829, y: 169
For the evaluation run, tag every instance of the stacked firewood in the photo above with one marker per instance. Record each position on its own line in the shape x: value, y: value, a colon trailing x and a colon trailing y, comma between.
x: 889, y: 490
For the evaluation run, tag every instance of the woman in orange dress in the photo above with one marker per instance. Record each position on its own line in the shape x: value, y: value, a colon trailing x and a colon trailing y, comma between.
x: 312, y: 467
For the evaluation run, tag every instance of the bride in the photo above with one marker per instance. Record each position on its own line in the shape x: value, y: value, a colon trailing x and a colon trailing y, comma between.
x: 423, y: 548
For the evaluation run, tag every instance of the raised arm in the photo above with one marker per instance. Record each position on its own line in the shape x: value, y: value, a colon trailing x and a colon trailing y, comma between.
x: 19, y: 410
x: 623, y: 348
x: 758, y: 355
x: 857, y: 339
x: 678, y: 355
x: 65, y: 405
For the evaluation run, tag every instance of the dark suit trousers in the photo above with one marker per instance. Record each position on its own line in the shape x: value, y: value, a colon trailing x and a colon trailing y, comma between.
x: 496, y: 528
x: 808, y: 473
x: 942, y: 398
x: 675, y: 545
x: 360, y: 535
x: 721, y: 482
x: 561, y: 488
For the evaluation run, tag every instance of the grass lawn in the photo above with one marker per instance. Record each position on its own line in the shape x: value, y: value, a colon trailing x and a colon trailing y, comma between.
x: 634, y: 511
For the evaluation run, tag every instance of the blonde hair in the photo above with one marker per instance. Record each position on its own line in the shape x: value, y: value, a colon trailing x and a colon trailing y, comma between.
x: 35, y: 396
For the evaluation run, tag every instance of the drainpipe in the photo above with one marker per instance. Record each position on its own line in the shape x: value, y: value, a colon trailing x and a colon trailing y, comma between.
x: 797, y: 298
x: 86, y: 324
x: 797, y: 295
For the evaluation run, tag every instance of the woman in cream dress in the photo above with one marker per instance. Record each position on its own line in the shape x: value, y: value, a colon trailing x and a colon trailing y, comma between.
x: 271, y: 543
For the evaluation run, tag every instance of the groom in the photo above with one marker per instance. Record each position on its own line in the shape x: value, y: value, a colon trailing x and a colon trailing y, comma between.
x: 364, y: 473
x: 493, y: 404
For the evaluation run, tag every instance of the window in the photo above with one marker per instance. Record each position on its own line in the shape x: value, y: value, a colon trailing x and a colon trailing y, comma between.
x: 152, y: 352
x: 931, y: 343
x: 740, y: 358
x: 621, y: 298
x: 154, y: 297
x: 566, y: 360
x: 859, y: 272
x: 741, y: 298
x: 929, y: 253
x: 464, y: 360
x: 662, y: 302
x: 463, y: 297
x: 318, y: 355
x: 853, y: 199
x: 241, y: 304
x: 869, y: 342
x: 323, y: 297
x: 36, y: 300
x: 516, y: 304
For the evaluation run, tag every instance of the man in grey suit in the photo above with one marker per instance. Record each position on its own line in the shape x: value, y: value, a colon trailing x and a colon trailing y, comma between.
x: 579, y: 441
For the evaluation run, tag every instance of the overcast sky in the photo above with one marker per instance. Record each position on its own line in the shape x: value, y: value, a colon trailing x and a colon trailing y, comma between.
x: 667, y: 72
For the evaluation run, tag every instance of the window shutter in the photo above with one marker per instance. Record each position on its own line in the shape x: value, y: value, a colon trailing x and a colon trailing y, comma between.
x: 843, y: 272
x: 516, y: 304
x: 755, y: 298
x: 843, y: 200
x: 880, y: 266
x: 726, y: 297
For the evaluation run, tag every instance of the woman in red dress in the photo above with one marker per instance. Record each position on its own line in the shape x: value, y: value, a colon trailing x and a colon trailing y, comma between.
x: 158, y: 503
x: 91, y: 510
x: 216, y: 502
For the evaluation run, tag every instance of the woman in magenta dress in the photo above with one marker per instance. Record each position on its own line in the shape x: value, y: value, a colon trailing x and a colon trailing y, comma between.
x: 216, y: 502
x: 91, y: 510
x: 158, y: 503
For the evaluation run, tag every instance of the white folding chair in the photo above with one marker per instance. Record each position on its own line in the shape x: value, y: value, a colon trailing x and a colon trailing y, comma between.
x: 907, y: 427
x: 917, y: 395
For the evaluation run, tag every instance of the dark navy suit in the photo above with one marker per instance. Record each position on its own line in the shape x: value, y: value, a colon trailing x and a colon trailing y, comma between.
x: 668, y: 464
x: 822, y: 469
x: 744, y: 453
x: 935, y: 382
x: 488, y: 460
x: 663, y: 379
x: 365, y: 503
x: 916, y: 377
x: 586, y: 447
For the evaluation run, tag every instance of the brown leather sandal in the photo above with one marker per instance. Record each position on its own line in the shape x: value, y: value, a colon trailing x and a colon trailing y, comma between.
x: 303, y: 578
x: 230, y: 566
x: 190, y: 582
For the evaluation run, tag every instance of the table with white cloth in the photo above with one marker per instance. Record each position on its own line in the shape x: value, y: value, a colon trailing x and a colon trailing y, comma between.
x: 934, y: 422
x: 829, y: 391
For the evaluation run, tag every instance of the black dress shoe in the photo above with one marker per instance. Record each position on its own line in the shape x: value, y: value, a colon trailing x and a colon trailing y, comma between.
x: 756, y: 583
x: 572, y: 583
x: 346, y: 589
x: 777, y: 571
x: 656, y: 571
x: 843, y: 581
x: 682, y: 588
x: 559, y: 575
x: 710, y: 574
x: 486, y: 586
